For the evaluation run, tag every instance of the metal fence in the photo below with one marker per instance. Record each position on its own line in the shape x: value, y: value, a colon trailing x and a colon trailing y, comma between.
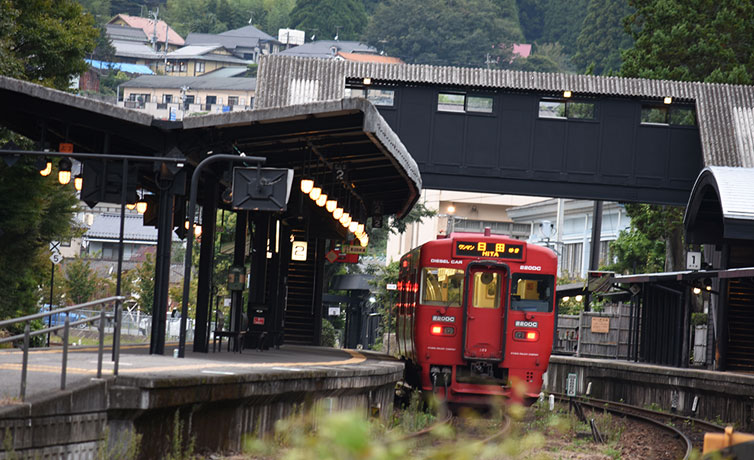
x: 101, y: 317
x: 137, y: 326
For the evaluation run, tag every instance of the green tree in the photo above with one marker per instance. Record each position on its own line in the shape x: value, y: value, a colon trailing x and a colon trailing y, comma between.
x: 143, y: 284
x: 635, y: 253
x: 278, y: 14
x: 80, y: 281
x: 344, y: 18
x: 602, y: 37
x: 691, y: 40
x: 45, y: 41
x: 441, y: 32
x: 34, y: 211
x: 531, y: 15
x: 547, y: 57
x: 104, y: 49
x: 100, y: 9
x: 562, y: 21
x: 378, y: 236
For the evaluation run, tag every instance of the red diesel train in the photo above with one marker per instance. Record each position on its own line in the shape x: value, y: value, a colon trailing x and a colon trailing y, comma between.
x: 476, y: 316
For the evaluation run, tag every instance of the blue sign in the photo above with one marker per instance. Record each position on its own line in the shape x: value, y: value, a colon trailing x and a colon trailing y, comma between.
x: 172, y: 115
x: 226, y: 108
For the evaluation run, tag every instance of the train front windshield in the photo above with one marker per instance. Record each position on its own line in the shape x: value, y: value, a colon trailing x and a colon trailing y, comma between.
x: 531, y: 292
x: 442, y: 286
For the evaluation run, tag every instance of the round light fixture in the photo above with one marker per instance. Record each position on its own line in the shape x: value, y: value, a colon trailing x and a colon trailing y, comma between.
x: 78, y: 182
x: 141, y: 206
x: 321, y: 200
x: 337, y: 213
x: 330, y: 205
x: 307, y: 185
x: 315, y: 193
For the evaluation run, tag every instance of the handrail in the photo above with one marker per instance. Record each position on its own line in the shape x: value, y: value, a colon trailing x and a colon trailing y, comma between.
x: 118, y: 301
x: 8, y: 322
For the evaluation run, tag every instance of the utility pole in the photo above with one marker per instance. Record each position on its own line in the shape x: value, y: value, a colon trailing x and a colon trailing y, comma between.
x: 154, y: 15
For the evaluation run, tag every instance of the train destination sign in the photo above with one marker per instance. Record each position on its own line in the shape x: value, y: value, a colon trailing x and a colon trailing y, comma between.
x: 488, y: 249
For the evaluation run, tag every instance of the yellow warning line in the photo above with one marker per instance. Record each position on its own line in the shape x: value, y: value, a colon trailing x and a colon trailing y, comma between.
x: 355, y: 358
x: 72, y: 349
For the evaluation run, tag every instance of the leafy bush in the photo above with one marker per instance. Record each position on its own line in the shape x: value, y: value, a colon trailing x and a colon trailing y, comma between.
x: 328, y: 334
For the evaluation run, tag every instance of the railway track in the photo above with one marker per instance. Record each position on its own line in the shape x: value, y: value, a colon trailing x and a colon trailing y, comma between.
x: 460, y: 426
x: 689, y: 431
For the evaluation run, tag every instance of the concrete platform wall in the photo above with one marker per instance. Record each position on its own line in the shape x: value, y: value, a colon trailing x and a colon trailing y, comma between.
x: 722, y: 396
x: 216, y: 412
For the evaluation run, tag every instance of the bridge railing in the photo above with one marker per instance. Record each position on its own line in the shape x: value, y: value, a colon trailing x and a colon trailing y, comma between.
x: 117, y: 302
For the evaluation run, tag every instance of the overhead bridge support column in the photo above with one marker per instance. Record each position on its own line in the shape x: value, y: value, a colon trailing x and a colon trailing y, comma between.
x: 162, y: 270
x: 206, y: 268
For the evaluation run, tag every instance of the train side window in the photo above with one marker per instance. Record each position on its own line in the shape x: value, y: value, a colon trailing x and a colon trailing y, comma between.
x: 531, y: 292
x: 442, y: 286
x: 486, y: 290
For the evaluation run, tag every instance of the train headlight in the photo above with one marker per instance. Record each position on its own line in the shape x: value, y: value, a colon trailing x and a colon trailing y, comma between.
x: 526, y: 336
x: 437, y: 329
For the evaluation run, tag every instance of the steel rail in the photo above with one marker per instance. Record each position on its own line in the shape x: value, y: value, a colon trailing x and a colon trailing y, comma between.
x: 660, y: 419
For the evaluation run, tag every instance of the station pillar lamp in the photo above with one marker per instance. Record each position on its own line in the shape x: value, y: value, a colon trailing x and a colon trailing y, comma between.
x: 45, y: 167
x: 78, y: 182
x: 64, y: 170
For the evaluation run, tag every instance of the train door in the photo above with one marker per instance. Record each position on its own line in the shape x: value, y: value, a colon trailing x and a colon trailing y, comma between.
x: 484, y: 309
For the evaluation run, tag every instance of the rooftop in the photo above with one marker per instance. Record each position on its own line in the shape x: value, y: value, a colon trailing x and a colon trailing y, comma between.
x: 230, y: 42
x: 328, y: 49
x: 204, y: 53
x: 122, y: 66
x: 162, y: 30
x: 118, y: 32
x: 136, y: 50
x: 369, y: 57
x: 194, y: 83
x: 249, y: 32
x: 107, y: 227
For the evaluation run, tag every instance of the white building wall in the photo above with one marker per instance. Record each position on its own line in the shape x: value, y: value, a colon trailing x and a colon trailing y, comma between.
x: 466, y: 205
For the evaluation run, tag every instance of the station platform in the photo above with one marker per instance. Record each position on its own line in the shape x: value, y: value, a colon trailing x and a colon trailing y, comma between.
x: 707, y: 394
x: 221, y: 396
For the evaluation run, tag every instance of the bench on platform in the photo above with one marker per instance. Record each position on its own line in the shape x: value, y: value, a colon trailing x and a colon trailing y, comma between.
x: 237, y: 336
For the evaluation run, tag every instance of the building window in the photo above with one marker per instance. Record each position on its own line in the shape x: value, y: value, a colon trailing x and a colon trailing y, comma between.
x: 479, y: 104
x: 573, y: 110
x: 664, y: 115
x: 570, y: 264
x: 450, y: 102
x: 381, y: 97
x: 168, y: 67
x: 355, y: 92
x: 167, y: 98
x: 182, y: 66
x: 139, y: 97
x: 189, y: 99
x: 199, y: 67
x: 232, y: 100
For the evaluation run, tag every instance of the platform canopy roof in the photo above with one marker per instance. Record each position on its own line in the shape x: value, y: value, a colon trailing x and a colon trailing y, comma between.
x: 349, y: 134
x: 721, y: 206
